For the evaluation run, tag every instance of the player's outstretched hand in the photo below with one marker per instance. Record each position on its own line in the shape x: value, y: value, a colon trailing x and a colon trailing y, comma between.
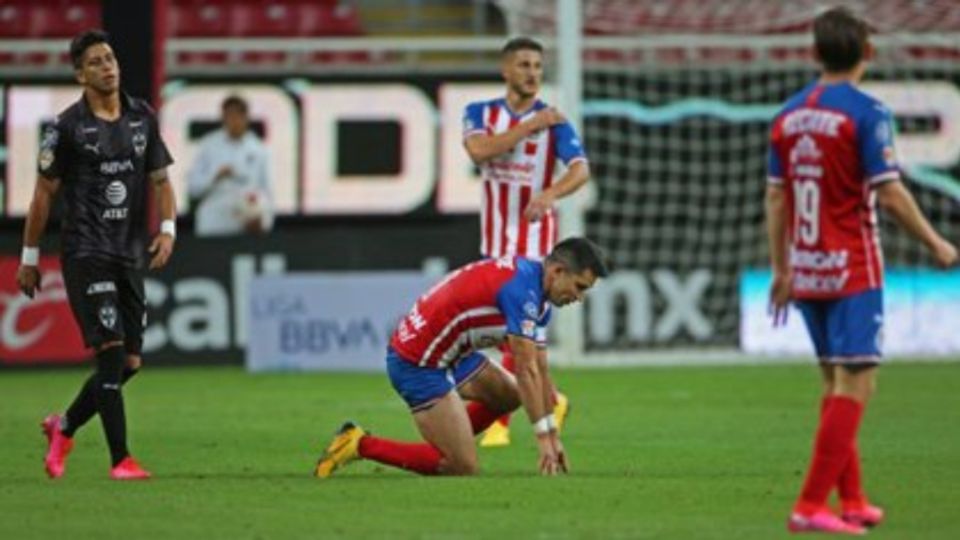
x: 28, y: 279
x: 549, y: 461
x: 161, y: 248
x: 780, y: 292
x: 945, y: 254
x: 562, y: 462
x: 538, y: 207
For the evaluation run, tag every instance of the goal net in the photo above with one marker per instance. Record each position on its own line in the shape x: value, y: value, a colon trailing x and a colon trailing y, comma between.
x: 677, y: 102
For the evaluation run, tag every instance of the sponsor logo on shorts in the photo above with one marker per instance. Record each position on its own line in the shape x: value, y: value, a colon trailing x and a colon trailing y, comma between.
x: 108, y: 315
x: 101, y: 287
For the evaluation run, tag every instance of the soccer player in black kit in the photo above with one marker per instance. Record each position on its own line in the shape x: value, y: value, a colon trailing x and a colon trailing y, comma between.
x: 102, y: 153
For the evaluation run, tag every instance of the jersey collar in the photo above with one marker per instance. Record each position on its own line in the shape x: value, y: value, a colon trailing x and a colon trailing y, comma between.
x: 537, y: 104
x: 126, y: 104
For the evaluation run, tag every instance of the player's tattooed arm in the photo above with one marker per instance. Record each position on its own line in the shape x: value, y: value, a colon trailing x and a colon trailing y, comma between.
x: 159, y: 176
x: 28, y: 275
x: 162, y: 245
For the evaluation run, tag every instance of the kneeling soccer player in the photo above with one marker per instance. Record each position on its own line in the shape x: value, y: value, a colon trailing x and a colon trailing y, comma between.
x: 434, y: 365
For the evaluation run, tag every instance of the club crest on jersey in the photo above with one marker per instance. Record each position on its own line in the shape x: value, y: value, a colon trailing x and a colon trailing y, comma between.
x: 139, y: 142
x: 108, y: 315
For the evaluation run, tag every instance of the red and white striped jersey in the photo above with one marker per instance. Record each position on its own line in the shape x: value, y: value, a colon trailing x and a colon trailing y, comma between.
x: 474, y: 307
x: 512, y: 179
x: 829, y: 147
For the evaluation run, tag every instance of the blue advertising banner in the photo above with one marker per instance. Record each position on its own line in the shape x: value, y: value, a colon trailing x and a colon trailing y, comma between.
x: 921, y: 316
x: 327, y: 321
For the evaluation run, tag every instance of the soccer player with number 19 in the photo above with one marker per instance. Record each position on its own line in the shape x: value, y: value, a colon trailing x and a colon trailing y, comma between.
x: 831, y: 161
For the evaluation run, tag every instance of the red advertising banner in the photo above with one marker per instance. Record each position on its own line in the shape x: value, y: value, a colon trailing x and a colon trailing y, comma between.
x: 38, y: 330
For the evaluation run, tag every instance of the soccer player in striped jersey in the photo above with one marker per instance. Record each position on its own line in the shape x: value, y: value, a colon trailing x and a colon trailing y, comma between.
x: 831, y: 159
x: 516, y: 141
x: 434, y: 362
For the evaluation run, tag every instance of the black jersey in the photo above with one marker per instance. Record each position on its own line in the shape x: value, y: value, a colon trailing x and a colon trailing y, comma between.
x: 104, y: 170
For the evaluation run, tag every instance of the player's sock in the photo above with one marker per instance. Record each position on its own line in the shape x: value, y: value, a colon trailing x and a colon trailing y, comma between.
x: 422, y: 458
x: 108, y: 397
x: 480, y: 416
x: 508, y: 364
x: 849, y: 485
x: 84, y: 406
x: 835, y: 436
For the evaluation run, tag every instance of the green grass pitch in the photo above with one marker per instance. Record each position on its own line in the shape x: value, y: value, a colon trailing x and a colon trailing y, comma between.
x: 687, y: 453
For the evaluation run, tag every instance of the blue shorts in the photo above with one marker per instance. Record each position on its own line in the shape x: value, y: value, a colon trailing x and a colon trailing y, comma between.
x: 420, y: 386
x: 846, y: 330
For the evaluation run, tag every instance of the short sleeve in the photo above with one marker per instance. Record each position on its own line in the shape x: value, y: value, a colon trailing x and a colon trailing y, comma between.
x: 520, y: 308
x: 541, y: 337
x: 877, y: 152
x: 569, y: 147
x: 157, y: 156
x: 53, y: 154
x: 473, y: 120
x: 774, y: 165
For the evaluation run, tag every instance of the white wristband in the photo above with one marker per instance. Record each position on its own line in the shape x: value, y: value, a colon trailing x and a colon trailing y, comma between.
x: 30, y: 256
x: 168, y: 226
x: 545, y: 425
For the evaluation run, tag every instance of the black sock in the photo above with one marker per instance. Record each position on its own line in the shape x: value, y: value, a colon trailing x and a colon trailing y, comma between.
x: 108, y: 397
x: 84, y: 406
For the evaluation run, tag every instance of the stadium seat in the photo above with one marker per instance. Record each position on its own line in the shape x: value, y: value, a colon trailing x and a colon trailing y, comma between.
x: 198, y: 18
x: 15, y: 21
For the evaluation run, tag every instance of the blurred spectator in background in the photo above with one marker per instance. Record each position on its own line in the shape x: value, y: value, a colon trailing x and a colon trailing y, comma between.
x: 228, y: 182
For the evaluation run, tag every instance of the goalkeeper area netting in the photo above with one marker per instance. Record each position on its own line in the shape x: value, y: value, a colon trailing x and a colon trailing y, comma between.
x: 677, y: 105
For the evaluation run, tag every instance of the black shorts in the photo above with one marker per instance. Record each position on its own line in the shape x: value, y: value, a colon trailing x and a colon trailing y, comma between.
x: 107, y: 300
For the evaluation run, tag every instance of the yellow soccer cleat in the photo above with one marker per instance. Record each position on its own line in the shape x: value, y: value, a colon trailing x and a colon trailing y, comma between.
x: 561, y: 410
x: 496, y: 435
x: 342, y: 450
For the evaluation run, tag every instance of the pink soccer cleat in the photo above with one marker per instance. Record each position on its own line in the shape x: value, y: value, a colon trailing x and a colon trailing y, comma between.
x: 58, y: 446
x: 865, y: 515
x: 823, y: 521
x: 128, y: 469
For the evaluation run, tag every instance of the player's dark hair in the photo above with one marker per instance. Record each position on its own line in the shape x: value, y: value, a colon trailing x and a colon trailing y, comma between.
x: 840, y: 39
x: 83, y: 41
x: 521, y: 44
x: 578, y: 254
x: 236, y: 103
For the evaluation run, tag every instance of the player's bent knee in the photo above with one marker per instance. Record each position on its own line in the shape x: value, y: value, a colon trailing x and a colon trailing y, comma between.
x: 462, y: 467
